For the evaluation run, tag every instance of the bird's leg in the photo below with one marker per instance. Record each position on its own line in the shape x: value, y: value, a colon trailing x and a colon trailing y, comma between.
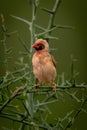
x: 37, y: 84
x: 54, y: 85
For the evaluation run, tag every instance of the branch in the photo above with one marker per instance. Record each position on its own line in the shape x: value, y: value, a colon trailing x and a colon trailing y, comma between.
x: 21, y: 19
x: 15, y: 93
x: 13, y: 79
x: 70, y: 123
x: 24, y: 122
x: 4, y: 30
x: 44, y: 89
x: 52, y: 15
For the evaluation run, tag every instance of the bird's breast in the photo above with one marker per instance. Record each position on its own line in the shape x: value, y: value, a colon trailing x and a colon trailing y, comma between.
x: 43, y: 67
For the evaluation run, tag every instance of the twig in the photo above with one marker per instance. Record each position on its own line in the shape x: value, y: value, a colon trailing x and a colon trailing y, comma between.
x: 52, y: 15
x: 32, y: 27
x: 75, y: 116
x: 45, y: 89
x: 13, y: 80
x: 15, y: 93
x: 23, y: 43
x: 23, y: 121
x: 4, y: 30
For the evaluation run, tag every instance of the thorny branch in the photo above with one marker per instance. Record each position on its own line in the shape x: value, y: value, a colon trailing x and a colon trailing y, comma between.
x: 23, y: 121
x: 70, y: 123
x: 30, y: 105
x: 15, y: 93
x: 48, y: 89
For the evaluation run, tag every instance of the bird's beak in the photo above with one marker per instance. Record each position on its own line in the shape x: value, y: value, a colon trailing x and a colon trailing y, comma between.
x: 34, y: 45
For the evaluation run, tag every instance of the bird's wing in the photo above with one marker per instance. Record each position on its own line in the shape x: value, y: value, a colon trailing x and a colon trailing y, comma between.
x: 53, y: 60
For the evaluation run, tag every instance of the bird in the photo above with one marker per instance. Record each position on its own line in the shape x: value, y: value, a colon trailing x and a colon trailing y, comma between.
x: 44, y: 65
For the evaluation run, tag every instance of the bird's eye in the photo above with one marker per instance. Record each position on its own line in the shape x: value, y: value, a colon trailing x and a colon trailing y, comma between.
x: 40, y: 47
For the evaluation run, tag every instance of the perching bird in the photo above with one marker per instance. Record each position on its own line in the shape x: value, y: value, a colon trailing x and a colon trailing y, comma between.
x: 44, y: 67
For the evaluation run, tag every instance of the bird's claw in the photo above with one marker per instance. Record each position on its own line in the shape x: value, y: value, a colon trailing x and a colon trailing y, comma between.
x: 54, y: 85
x: 37, y: 85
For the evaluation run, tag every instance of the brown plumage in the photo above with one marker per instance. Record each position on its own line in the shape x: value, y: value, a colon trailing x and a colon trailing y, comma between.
x: 44, y: 67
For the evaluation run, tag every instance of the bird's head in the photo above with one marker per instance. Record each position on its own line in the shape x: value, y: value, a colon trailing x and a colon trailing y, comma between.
x: 41, y: 44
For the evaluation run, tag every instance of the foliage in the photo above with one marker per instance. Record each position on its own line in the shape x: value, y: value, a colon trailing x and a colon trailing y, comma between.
x: 20, y: 102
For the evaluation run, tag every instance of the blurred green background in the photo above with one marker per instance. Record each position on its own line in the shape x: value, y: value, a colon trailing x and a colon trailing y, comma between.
x: 70, y: 12
x: 71, y: 41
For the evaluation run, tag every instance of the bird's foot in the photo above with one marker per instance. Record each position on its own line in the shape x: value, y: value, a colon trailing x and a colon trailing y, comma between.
x: 54, y: 85
x: 37, y: 85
